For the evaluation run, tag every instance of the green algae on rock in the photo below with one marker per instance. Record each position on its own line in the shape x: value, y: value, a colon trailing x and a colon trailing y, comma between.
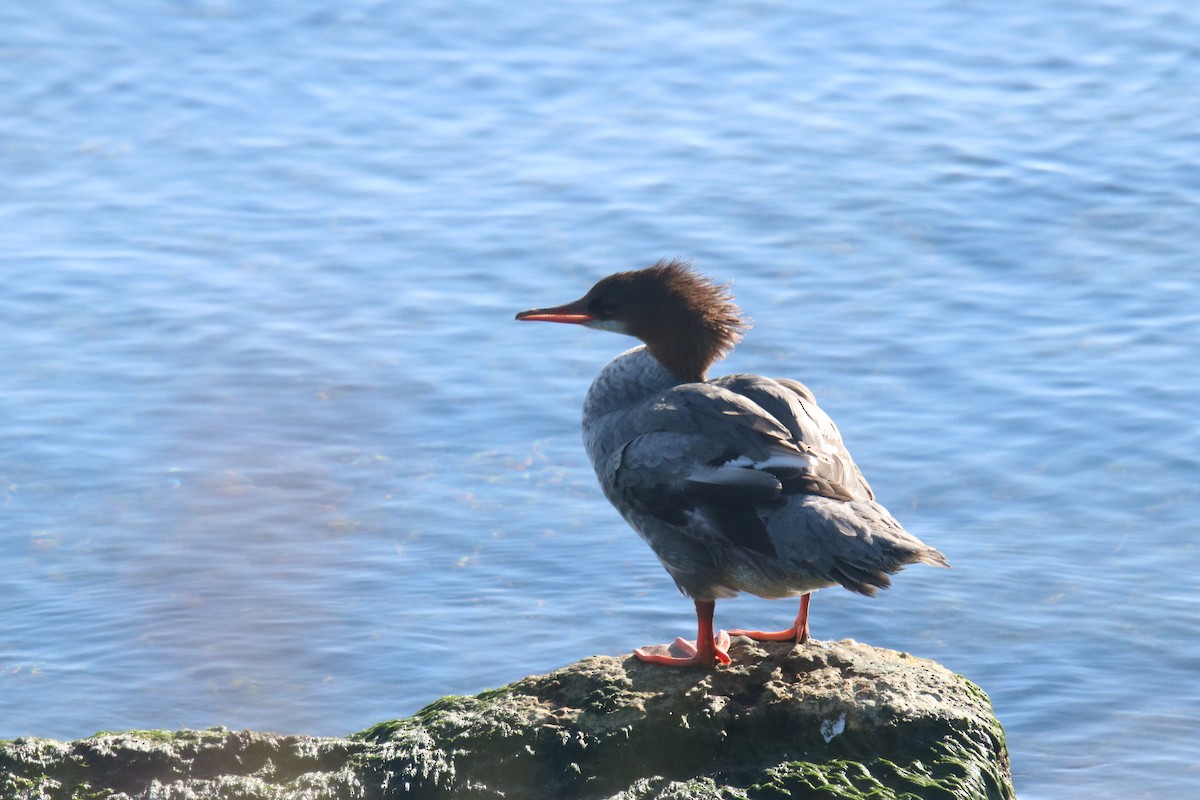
x: 836, y: 720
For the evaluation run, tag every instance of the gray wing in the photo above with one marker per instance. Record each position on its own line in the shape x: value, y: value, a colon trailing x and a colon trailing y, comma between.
x: 711, y: 463
x: 793, y: 405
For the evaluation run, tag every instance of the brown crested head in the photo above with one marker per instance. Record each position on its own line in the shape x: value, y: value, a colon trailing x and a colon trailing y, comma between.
x: 686, y: 320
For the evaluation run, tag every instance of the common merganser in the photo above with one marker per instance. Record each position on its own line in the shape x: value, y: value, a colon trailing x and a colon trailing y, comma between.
x: 738, y: 484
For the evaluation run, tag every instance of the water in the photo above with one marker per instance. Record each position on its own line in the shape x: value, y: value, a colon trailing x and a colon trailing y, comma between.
x: 275, y: 455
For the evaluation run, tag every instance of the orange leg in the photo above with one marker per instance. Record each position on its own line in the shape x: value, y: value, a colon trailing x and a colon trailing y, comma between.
x: 707, y: 650
x: 797, y: 633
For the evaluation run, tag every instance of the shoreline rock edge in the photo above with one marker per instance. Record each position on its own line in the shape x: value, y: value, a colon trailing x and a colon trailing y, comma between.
x: 831, y: 720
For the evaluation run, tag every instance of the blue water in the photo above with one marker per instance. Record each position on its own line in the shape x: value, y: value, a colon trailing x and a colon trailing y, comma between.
x: 274, y: 454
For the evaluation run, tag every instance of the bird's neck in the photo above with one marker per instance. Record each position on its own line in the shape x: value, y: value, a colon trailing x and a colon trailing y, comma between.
x: 688, y: 360
x: 684, y: 344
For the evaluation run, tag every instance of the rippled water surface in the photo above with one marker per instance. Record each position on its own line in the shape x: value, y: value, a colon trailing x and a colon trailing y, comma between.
x: 274, y: 454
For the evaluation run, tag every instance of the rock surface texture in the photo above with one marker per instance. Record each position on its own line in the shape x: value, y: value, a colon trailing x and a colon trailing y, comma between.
x: 823, y: 720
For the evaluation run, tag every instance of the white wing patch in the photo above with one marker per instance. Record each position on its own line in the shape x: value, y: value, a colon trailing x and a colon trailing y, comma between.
x: 779, y: 459
x: 744, y: 473
x: 734, y: 477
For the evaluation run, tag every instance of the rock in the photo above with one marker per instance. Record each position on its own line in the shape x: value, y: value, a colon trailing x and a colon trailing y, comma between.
x: 823, y: 720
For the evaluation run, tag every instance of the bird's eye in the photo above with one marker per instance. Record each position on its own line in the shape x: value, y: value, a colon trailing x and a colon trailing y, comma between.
x: 601, y: 308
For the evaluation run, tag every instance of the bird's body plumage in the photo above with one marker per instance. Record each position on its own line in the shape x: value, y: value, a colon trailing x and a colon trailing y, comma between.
x: 738, y: 484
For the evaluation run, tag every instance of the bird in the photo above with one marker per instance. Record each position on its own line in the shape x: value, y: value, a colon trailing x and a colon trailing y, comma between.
x: 739, y: 483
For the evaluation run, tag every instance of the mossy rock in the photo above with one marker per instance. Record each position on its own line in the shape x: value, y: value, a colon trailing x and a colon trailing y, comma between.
x: 822, y: 720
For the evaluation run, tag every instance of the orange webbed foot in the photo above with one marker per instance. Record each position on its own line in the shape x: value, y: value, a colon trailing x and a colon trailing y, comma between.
x: 798, y: 633
x: 682, y: 653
